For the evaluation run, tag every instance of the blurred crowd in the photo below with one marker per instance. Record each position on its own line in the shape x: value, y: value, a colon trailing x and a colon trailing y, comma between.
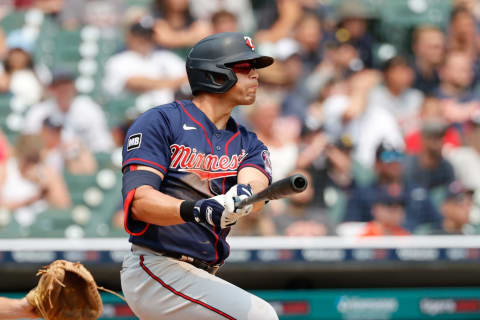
x: 388, y: 133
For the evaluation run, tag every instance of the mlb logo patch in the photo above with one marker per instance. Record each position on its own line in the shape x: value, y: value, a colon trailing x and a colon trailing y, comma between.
x: 134, y: 141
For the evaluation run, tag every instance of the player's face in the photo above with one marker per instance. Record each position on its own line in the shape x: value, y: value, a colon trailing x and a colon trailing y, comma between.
x: 245, y: 90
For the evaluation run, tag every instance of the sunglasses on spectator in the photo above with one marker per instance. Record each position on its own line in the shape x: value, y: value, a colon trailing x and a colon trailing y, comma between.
x: 243, y: 67
x: 391, y: 156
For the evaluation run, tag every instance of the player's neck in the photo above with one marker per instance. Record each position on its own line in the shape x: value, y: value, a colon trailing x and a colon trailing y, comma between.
x: 214, y: 108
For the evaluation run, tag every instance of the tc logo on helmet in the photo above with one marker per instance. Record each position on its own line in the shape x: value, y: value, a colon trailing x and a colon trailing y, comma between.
x: 249, y: 42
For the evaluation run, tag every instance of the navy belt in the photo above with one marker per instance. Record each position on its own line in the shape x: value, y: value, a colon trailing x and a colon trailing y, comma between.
x: 193, y: 261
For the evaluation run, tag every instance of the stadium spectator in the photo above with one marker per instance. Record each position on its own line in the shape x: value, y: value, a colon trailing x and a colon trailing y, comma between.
x: 4, y: 155
x: 388, y: 212
x: 466, y: 159
x: 331, y: 165
x: 352, y: 28
x: 456, y: 210
x: 80, y: 115
x: 3, y: 44
x: 276, y: 20
x: 464, y: 37
x: 460, y: 101
x: 154, y: 74
x: 431, y: 109
x: 30, y: 184
x: 334, y: 172
x: 119, y: 132
x: 390, y: 178
x: 241, y: 10
x: 308, y: 34
x: 429, y: 169
x: 300, y: 217
x: 72, y: 155
x: 19, y: 77
x: 277, y: 133
x: 224, y: 21
x: 104, y: 14
x: 175, y: 27
x: 428, y: 44
x: 350, y: 110
x: 396, y: 94
x: 339, y: 62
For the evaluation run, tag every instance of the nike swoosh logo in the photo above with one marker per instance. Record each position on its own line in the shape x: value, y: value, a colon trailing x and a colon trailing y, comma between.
x: 185, y: 127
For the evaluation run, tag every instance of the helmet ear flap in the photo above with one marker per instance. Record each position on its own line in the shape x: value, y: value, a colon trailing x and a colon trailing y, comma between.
x: 210, y: 78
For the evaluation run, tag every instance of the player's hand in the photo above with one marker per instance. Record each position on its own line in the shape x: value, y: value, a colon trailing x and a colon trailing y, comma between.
x: 239, y: 192
x: 217, y: 211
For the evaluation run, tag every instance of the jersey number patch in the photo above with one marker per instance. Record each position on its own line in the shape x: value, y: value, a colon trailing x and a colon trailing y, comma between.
x: 134, y: 141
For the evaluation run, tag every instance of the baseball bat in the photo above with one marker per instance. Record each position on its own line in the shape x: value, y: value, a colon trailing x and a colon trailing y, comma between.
x: 279, y: 189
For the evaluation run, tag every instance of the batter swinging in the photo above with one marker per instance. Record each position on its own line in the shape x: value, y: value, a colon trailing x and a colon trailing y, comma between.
x: 184, y: 163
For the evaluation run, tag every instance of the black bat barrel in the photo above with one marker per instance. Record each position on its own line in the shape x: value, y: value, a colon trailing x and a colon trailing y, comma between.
x: 279, y: 189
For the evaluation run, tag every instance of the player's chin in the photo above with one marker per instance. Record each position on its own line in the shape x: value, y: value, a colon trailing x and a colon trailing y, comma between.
x: 250, y: 98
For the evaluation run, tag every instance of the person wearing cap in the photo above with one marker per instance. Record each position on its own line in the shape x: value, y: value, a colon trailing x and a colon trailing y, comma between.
x: 428, y: 45
x: 81, y: 116
x: 456, y: 209
x: 352, y: 26
x: 429, y: 168
x: 389, y: 170
x: 142, y: 70
x: 388, y: 212
x: 59, y: 154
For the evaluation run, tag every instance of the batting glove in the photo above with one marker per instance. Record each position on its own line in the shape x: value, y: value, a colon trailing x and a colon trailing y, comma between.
x: 239, y: 192
x: 217, y: 211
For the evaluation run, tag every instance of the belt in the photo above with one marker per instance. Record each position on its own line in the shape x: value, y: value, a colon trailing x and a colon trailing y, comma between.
x: 182, y: 257
x: 193, y: 261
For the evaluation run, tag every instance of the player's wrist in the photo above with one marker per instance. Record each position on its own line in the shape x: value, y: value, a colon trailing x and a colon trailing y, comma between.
x: 187, y: 212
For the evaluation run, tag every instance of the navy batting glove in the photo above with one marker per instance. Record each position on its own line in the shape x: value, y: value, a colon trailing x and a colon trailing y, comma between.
x: 217, y: 211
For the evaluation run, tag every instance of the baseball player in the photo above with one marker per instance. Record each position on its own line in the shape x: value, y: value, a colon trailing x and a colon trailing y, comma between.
x: 185, y: 164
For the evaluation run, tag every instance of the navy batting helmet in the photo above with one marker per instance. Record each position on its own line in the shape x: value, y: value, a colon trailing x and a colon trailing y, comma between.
x: 211, y: 59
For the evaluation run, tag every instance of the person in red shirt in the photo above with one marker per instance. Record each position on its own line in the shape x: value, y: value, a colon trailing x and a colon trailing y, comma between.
x: 388, y: 213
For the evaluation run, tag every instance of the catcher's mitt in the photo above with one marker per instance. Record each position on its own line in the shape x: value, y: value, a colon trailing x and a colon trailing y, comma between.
x: 66, y: 290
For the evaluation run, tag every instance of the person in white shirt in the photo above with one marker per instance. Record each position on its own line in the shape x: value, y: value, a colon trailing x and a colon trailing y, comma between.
x: 397, y: 96
x: 81, y: 116
x: 142, y: 70
x: 348, y: 111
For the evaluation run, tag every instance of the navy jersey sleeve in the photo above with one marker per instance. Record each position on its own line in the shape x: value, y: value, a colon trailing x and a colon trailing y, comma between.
x: 257, y: 157
x: 148, y: 141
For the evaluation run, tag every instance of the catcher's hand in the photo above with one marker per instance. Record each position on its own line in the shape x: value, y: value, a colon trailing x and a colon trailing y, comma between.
x: 66, y: 290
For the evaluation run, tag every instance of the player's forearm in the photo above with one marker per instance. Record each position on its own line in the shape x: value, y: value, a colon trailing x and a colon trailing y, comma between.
x: 155, y: 207
x: 15, y: 309
x: 257, y: 186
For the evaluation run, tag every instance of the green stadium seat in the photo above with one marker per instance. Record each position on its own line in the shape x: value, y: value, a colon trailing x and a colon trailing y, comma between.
x: 12, y: 21
x: 51, y: 223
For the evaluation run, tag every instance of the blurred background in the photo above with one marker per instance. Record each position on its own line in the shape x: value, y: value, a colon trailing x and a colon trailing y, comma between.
x: 376, y: 101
